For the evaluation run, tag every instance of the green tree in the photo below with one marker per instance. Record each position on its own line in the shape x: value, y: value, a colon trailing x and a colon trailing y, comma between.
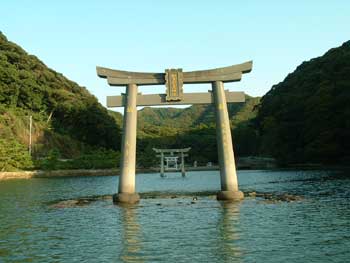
x: 14, y: 156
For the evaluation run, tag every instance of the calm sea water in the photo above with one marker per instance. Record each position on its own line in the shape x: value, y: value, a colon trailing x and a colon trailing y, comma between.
x: 38, y: 222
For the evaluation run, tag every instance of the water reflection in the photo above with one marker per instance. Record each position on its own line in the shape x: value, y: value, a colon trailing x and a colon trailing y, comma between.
x: 168, y: 227
x: 228, y: 232
x: 131, y: 237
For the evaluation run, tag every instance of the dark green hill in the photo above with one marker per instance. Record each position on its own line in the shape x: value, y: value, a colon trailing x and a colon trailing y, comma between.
x: 306, y: 118
x: 195, y: 127
x: 66, y: 116
x: 183, y: 119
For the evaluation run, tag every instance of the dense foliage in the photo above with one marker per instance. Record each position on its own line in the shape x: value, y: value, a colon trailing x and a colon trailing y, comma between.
x: 27, y: 84
x: 182, y: 119
x: 97, y: 159
x: 13, y: 156
x: 65, y: 115
x: 306, y: 118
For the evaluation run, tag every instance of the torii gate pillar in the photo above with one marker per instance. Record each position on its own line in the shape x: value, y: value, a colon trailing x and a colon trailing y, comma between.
x: 162, y: 164
x: 126, y: 190
x: 228, y: 176
x: 183, y: 172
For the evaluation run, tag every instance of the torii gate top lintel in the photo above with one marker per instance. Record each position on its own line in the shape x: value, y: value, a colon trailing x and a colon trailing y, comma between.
x: 225, y: 74
x: 184, y: 150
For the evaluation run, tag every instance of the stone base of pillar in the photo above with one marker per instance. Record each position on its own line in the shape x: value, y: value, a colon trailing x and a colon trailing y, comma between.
x: 126, y: 198
x: 230, y: 195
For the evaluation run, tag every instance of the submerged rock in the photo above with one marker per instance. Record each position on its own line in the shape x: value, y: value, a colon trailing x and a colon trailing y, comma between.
x: 79, y: 202
x: 274, y: 198
x: 252, y: 194
x: 65, y: 204
x: 290, y: 198
x: 267, y: 198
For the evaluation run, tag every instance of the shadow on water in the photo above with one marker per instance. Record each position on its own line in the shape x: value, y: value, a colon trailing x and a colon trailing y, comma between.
x: 228, y: 235
x: 224, y: 248
x: 131, y: 235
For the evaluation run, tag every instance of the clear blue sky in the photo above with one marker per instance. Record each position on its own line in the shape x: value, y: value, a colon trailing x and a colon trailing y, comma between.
x: 72, y: 37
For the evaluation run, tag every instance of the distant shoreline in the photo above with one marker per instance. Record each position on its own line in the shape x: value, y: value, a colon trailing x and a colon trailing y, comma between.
x: 115, y: 172
x: 85, y: 172
x: 242, y: 163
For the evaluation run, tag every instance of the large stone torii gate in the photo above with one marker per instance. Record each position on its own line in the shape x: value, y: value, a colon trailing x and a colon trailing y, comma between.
x: 174, y: 80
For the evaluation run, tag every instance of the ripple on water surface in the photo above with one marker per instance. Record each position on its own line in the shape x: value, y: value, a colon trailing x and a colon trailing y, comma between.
x: 292, y: 216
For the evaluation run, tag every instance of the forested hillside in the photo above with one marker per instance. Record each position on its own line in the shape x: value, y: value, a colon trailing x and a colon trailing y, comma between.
x: 194, y: 115
x: 306, y: 118
x: 195, y: 127
x: 66, y: 117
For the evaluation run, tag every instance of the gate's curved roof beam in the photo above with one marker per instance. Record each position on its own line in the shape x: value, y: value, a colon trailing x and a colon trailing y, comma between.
x: 225, y: 74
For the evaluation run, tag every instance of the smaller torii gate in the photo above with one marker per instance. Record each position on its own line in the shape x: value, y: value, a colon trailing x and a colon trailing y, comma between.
x: 180, y: 153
